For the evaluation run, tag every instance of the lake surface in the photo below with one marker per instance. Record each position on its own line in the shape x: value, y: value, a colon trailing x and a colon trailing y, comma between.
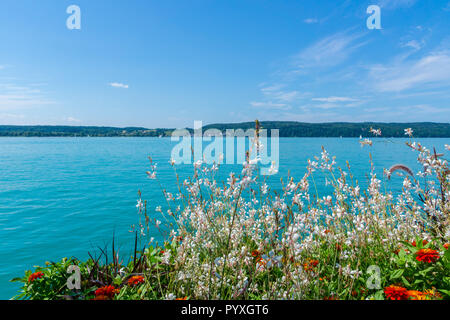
x: 62, y: 197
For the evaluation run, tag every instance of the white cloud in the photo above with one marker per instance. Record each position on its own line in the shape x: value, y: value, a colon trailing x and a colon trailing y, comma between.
x: 433, y: 69
x: 310, y: 20
x: 270, y: 105
x: 72, y: 119
x: 119, y: 85
x: 334, y: 99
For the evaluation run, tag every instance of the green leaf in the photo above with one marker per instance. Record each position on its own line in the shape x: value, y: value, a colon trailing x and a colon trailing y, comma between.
x: 405, y: 282
x: 397, y: 274
x: 446, y: 292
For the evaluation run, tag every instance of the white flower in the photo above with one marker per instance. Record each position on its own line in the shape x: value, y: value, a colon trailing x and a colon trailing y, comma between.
x: 375, y: 132
x: 447, y: 233
x: 198, y: 164
x: 170, y: 296
x: 409, y: 132
x: 273, y: 169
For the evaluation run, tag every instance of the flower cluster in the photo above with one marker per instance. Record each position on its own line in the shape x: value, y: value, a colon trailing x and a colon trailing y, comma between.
x: 135, y: 280
x: 106, y: 293
x: 427, y: 255
x: 35, y: 275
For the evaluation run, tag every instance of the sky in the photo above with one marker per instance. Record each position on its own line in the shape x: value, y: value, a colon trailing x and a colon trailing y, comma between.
x: 168, y: 63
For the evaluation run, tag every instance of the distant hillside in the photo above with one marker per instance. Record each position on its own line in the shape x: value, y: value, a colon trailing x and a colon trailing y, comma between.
x: 286, y: 129
x: 71, y: 131
x: 344, y: 129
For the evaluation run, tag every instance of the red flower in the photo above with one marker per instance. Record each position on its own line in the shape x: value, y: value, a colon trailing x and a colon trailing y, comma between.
x: 446, y: 246
x: 396, y: 293
x: 256, y: 254
x: 105, y: 293
x: 135, y: 280
x: 427, y: 255
x: 34, y: 276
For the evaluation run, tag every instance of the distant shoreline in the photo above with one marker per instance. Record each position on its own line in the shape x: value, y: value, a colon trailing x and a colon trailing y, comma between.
x: 286, y: 129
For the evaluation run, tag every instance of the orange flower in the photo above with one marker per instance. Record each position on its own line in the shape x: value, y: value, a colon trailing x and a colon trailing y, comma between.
x: 135, y: 280
x: 396, y: 293
x: 184, y: 298
x: 107, y: 291
x: 34, y: 276
x: 417, y: 295
x: 446, y: 246
x: 310, y: 265
x: 427, y: 255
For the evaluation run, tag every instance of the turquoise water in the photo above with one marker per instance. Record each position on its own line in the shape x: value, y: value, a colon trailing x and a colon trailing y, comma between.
x: 62, y: 197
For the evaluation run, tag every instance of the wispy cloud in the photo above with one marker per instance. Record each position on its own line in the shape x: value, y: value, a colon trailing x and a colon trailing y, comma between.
x: 72, y: 119
x: 330, y: 51
x: 334, y: 99
x: 447, y: 7
x: 394, y: 4
x: 432, y: 69
x: 275, y: 92
x: 11, y: 116
x: 119, y: 85
x: 269, y: 105
x: 416, y: 45
x: 14, y: 97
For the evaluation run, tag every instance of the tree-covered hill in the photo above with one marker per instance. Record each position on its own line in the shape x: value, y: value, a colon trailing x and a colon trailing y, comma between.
x: 286, y: 129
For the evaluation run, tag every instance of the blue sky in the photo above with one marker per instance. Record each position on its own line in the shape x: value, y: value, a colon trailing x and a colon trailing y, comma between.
x: 167, y: 63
